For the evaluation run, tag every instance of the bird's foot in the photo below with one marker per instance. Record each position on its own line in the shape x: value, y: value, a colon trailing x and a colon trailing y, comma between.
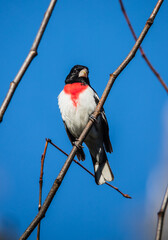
x: 79, y: 146
x: 93, y: 119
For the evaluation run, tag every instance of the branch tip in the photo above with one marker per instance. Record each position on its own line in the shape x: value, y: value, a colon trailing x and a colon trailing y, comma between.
x: 48, y: 140
x: 127, y: 196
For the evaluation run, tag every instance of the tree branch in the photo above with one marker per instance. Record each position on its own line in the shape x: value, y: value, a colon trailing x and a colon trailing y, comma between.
x: 68, y: 162
x: 140, y: 48
x: 161, y: 215
x: 79, y: 164
x: 41, y: 184
x: 28, y: 60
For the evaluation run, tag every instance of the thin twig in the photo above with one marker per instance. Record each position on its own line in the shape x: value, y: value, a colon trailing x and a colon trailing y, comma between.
x: 79, y: 164
x: 40, y: 185
x: 86, y: 130
x: 41, y: 178
x: 140, y: 48
x: 161, y: 215
x: 28, y: 60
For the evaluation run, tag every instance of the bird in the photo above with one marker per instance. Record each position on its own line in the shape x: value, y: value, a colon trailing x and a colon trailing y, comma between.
x: 77, y: 102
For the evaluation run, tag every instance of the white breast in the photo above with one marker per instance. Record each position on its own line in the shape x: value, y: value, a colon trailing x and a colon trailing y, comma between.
x: 77, y: 117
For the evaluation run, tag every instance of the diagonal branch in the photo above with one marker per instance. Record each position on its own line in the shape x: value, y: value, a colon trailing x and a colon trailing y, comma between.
x: 28, y: 60
x: 41, y: 178
x: 78, y: 163
x: 161, y: 215
x: 140, y: 48
x: 69, y: 160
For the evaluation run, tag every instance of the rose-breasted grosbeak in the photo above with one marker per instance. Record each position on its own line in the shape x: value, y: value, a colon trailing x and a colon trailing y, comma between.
x: 77, y: 102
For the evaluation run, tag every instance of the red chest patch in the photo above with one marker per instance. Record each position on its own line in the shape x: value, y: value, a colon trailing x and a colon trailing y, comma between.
x: 74, y: 89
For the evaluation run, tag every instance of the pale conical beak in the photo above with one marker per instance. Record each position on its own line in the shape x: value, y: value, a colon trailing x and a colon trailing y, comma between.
x: 83, y: 73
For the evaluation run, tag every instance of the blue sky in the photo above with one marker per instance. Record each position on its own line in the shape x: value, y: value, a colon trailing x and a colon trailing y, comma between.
x: 95, y: 34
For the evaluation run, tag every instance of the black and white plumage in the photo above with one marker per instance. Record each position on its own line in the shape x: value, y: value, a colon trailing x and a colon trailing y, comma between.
x: 77, y: 102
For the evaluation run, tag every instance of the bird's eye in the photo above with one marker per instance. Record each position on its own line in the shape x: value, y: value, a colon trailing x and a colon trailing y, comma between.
x: 75, y: 71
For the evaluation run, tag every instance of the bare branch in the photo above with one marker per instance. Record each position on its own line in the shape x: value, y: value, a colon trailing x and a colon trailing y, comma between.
x: 28, y: 60
x: 79, y: 164
x: 69, y: 160
x: 40, y: 185
x: 41, y: 178
x: 140, y: 48
x: 161, y: 215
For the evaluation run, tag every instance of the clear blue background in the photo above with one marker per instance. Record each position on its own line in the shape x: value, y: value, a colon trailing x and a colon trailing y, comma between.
x: 92, y: 33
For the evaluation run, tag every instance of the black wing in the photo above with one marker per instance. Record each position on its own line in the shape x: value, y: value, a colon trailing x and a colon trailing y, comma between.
x: 80, y: 153
x: 106, y: 137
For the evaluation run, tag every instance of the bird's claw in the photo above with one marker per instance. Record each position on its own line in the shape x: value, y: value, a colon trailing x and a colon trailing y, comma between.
x: 79, y: 146
x: 92, y: 118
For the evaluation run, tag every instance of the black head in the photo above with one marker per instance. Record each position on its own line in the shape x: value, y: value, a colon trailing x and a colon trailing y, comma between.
x: 78, y: 73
